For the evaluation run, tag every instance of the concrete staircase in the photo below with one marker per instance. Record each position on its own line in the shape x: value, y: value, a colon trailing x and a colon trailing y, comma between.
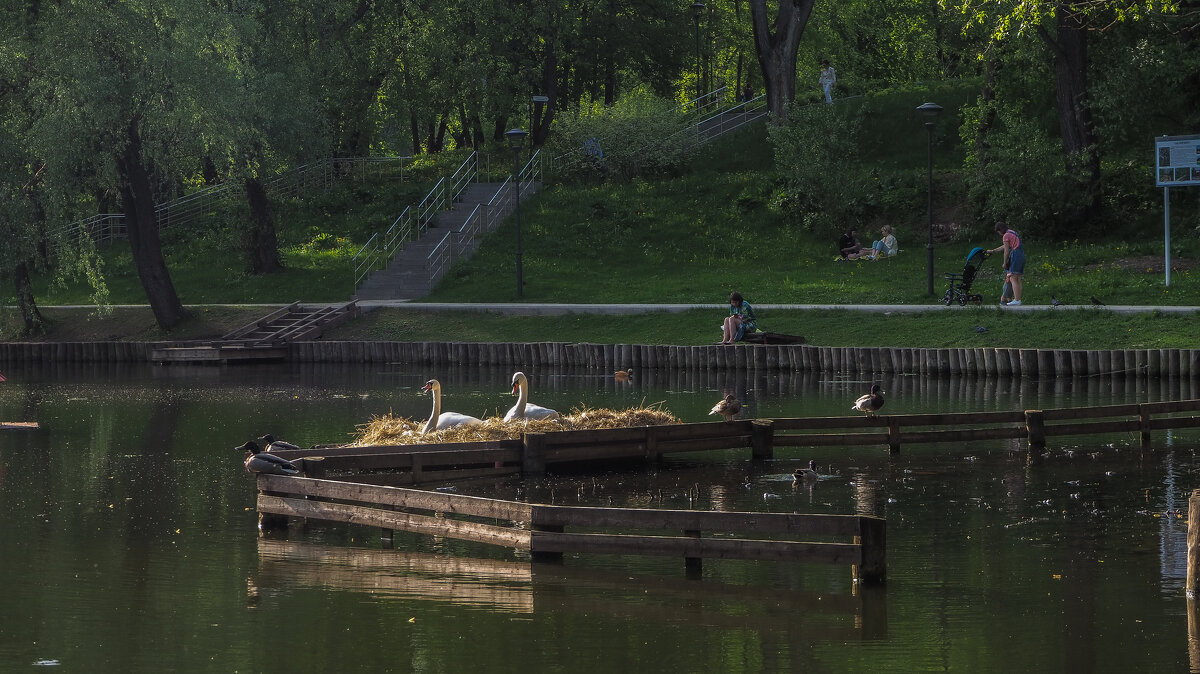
x: 407, y: 276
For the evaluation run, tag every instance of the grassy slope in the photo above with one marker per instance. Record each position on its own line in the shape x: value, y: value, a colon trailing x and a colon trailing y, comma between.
x: 692, y: 239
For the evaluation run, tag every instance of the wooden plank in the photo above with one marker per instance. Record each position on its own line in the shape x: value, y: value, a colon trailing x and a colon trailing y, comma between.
x: 256, y: 324
x: 595, y: 452
x: 853, y: 422
x: 392, y: 519
x: 703, y: 520
x: 1061, y: 413
x: 18, y: 425
x: 396, y: 497
x: 431, y: 476
x: 703, y: 445
x: 964, y: 435
x: 704, y: 548
x: 1089, y: 428
x: 1171, y: 406
x: 513, y: 446
x: 1174, y: 422
x: 831, y: 439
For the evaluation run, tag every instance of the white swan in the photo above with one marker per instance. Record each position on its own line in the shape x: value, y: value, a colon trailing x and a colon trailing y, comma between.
x: 440, y: 420
x: 525, y: 409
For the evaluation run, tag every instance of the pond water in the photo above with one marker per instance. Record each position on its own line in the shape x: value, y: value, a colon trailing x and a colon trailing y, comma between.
x: 130, y: 541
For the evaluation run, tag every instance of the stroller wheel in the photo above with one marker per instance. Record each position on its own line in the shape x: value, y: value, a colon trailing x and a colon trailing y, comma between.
x: 948, y: 299
x: 962, y: 300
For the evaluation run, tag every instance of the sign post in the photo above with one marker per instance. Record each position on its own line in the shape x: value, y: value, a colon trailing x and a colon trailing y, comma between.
x: 1177, y: 164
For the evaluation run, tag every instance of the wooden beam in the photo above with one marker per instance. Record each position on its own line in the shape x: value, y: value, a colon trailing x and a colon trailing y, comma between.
x: 703, y: 520
x: 397, y: 497
x: 830, y: 439
x: 710, y: 548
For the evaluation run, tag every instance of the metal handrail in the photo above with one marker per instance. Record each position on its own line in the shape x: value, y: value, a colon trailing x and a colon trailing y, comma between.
x: 369, y: 255
x: 464, y: 175
x: 427, y: 209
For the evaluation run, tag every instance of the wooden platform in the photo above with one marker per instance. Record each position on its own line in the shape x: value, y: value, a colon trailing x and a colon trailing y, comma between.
x: 265, y: 339
x: 19, y: 426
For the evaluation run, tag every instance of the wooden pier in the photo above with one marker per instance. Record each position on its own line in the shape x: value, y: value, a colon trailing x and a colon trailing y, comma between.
x: 547, y: 532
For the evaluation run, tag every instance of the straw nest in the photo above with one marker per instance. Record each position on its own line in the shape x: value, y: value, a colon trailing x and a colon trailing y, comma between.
x: 392, y: 430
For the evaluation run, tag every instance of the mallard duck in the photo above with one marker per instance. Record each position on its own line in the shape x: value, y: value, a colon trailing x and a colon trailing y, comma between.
x: 871, y: 402
x: 728, y: 408
x: 525, y: 409
x: 440, y: 420
x: 623, y: 375
x: 809, y: 473
x: 270, y: 444
x: 258, y: 461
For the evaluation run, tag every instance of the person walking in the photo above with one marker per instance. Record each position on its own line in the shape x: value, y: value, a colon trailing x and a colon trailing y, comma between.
x: 827, y: 80
x: 1014, y: 262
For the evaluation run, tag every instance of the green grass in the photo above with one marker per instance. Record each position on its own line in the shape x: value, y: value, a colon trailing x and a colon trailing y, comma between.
x: 1060, y: 329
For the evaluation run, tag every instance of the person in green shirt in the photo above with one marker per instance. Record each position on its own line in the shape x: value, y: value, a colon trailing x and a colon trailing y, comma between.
x: 740, y: 320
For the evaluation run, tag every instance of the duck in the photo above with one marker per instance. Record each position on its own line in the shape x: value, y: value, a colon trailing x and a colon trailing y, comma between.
x: 728, y: 408
x: 871, y: 402
x: 525, y: 409
x: 258, y: 461
x: 439, y: 420
x: 623, y: 375
x: 809, y: 473
x: 270, y: 444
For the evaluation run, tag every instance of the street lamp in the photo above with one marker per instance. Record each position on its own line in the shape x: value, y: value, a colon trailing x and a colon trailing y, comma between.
x: 516, y: 138
x: 697, y: 9
x: 930, y: 112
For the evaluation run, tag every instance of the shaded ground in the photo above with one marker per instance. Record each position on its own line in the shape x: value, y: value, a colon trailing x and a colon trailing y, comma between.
x: 1145, y: 263
x: 127, y: 324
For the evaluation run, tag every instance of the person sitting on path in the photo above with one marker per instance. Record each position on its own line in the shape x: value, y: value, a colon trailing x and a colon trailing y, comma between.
x: 886, y: 246
x: 848, y: 245
x: 1014, y: 262
x: 740, y: 321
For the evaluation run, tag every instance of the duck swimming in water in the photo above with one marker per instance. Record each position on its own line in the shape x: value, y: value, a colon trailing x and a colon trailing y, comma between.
x: 728, y: 408
x: 623, y: 375
x: 258, y: 461
x: 270, y: 444
x: 871, y: 402
x: 809, y: 473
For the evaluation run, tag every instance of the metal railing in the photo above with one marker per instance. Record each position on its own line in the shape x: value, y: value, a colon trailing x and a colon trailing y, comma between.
x: 464, y: 175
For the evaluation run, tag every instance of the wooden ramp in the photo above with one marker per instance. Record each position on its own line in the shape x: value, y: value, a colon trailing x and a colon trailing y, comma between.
x: 266, y: 338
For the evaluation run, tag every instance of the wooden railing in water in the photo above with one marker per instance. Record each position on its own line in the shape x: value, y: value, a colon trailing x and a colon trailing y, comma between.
x: 542, y: 529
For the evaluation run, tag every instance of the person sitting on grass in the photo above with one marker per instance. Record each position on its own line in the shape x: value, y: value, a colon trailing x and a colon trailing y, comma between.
x: 884, y: 247
x: 848, y: 246
x: 740, y: 321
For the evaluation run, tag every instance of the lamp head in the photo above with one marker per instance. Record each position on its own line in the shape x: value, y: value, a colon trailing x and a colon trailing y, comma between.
x: 929, y: 111
x: 516, y: 138
x: 697, y: 7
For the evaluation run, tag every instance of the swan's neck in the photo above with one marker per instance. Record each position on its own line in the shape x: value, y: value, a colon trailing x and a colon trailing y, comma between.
x: 437, y: 411
x: 522, y: 397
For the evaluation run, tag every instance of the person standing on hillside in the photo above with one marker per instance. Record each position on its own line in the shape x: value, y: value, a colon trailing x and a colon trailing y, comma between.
x: 827, y: 80
x: 1014, y: 261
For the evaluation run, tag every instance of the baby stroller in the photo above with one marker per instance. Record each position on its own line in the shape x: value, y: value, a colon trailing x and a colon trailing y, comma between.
x: 959, y: 289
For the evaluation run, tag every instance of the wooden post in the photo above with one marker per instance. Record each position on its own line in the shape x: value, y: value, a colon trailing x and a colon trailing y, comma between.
x: 542, y: 556
x: 533, y: 453
x: 1035, y: 428
x: 1192, y: 582
x: 1144, y: 425
x: 693, y: 566
x: 762, y: 439
x: 872, y: 537
x: 893, y: 424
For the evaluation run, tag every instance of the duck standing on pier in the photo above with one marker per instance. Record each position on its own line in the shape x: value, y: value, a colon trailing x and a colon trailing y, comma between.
x: 270, y: 444
x: 258, y: 461
x: 871, y: 402
x: 728, y: 408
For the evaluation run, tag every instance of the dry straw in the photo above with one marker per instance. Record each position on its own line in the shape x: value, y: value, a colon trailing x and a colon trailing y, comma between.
x: 391, y: 430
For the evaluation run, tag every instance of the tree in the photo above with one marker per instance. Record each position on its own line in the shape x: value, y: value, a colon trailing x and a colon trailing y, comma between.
x: 776, y: 48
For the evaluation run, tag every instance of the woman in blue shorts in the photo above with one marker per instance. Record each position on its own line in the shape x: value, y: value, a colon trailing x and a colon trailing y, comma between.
x: 1014, y: 262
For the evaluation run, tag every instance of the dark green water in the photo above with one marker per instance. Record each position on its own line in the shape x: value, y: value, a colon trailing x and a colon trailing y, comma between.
x: 129, y: 539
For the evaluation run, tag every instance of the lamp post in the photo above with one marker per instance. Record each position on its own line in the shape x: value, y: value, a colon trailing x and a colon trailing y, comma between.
x: 697, y: 9
x: 930, y: 112
x: 516, y: 138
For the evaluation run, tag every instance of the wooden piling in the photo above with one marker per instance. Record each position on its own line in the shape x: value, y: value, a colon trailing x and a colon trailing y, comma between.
x: 693, y: 566
x: 1144, y: 425
x: 893, y: 435
x: 533, y: 453
x: 762, y: 439
x: 1035, y: 428
x: 872, y: 536
x: 1192, y: 581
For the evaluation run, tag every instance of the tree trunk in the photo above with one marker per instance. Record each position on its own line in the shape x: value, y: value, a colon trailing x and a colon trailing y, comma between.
x: 776, y: 48
x: 263, y: 250
x: 138, y: 202
x: 34, y: 323
x: 1074, y: 107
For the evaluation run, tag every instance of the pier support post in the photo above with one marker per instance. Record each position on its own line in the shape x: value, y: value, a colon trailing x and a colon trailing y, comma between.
x: 893, y: 435
x: 693, y: 566
x: 1192, y: 582
x: 762, y: 439
x: 1035, y: 428
x: 872, y: 539
x: 533, y: 454
x: 1144, y: 425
